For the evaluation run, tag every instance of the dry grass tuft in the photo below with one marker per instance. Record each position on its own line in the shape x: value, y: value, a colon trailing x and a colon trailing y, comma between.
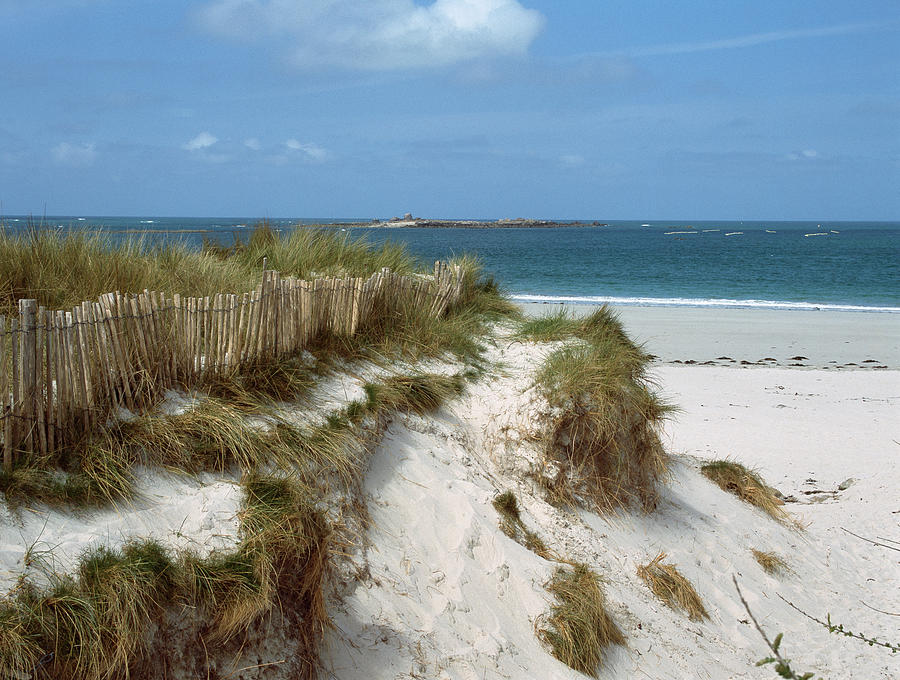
x: 512, y: 525
x: 578, y: 628
x: 771, y: 563
x: 746, y: 485
x: 672, y: 588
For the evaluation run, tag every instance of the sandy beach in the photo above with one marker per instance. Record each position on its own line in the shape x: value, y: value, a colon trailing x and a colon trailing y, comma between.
x: 450, y: 597
x: 825, y: 339
x: 434, y: 589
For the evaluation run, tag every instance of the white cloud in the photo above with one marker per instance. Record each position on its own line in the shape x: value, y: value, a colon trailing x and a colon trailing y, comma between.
x: 379, y: 34
x: 312, y: 152
x: 202, y: 141
x: 252, y: 143
x: 76, y: 155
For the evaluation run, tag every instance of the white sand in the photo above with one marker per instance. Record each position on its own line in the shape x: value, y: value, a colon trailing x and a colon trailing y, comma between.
x: 826, y: 338
x: 449, y: 596
x: 443, y: 593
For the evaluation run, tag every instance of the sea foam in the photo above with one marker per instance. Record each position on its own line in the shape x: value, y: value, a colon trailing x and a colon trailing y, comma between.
x: 699, y: 302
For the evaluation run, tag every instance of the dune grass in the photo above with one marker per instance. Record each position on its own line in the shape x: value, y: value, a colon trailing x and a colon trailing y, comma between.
x: 512, y: 525
x: 672, y: 588
x: 62, y: 269
x: 578, y: 628
x: 771, y: 562
x: 111, y: 615
x: 110, y: 618
x: 602, y: 432
x: 747, y: 485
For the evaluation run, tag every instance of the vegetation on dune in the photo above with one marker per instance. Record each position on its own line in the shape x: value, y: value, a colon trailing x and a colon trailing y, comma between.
x: 601, y: 436
x: 110, y: 618
x: 512, y: 525
x: 771, y: 563
x: 672, y: 588
x: 747, y: 485
x: 578, y: 628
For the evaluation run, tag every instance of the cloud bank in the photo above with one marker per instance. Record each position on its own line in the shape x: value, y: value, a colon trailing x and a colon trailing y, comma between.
x: 378, y: 35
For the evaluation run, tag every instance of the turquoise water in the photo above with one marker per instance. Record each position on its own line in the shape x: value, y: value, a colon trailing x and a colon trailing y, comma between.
x: 845, y: 266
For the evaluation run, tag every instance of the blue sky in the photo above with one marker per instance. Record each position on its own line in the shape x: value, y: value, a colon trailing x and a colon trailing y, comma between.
x: 625, y: 109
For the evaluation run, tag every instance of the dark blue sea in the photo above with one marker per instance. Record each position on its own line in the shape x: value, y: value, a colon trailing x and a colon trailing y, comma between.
x: 849, y: 266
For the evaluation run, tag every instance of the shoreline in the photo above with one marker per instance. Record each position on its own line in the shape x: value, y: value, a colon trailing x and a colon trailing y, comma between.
x: 752, y: 337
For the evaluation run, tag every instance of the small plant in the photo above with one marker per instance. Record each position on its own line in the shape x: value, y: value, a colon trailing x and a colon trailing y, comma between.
x: 670, y: 586
x: 578, y: 629
x: 839, y: 629
x: 782, y: 666
x: 746, y: 484
x: 771, y: 563
x: 512, y: 525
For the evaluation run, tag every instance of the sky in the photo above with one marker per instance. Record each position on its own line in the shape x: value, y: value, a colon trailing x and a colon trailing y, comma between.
x: 588, y: 109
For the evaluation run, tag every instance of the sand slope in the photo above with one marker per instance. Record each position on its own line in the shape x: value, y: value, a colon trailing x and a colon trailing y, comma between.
x: 445, y: 594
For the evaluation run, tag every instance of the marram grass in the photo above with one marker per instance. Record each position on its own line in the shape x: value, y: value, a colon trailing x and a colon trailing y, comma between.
x: 771, y: 562
x: 512, y: 525
x: 672, y: 588
x: 578, y: 628
x: 602, y: 432
x: 747, y: 485
x: 111, y: 616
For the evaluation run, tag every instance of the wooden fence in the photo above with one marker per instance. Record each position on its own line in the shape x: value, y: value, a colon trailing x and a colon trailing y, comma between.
x: 62, y: 373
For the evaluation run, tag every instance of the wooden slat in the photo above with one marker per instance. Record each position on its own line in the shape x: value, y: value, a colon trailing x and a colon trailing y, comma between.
x: 42, y: 378
x: 4, y: 399
x: 15, y: 405
x: 28, y: 349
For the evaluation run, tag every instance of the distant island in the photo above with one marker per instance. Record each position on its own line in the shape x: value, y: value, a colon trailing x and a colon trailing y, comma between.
x: 518, y: 223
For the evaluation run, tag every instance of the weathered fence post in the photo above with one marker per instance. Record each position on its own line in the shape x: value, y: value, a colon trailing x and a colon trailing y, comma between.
x: 27, y: 356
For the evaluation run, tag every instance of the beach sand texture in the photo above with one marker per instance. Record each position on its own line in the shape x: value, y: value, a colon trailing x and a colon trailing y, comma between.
x: 449, y: 597
x: 436, y: 590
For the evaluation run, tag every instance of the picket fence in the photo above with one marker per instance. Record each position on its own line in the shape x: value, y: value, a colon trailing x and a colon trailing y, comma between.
x: 62, y: 373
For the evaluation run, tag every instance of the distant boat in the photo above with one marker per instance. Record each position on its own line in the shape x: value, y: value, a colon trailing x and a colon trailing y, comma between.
x: 645, y: 225
x: 734, y: 233
x: 818, y: 233
x: 770, y: 231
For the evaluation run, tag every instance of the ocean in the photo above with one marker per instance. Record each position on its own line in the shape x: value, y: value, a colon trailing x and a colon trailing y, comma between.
x: 845, y: 266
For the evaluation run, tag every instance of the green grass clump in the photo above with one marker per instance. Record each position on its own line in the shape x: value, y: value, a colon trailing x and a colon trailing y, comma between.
x: 600, y: 325
x: 747, y: 485
x: 602, y: 433
x: 95, y: 625
x: 62, y: 269
x: 578, y: 629
x: 419, y: 392
x: 258, y: 384
x: 673, y: 589
x: 19, y: 644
